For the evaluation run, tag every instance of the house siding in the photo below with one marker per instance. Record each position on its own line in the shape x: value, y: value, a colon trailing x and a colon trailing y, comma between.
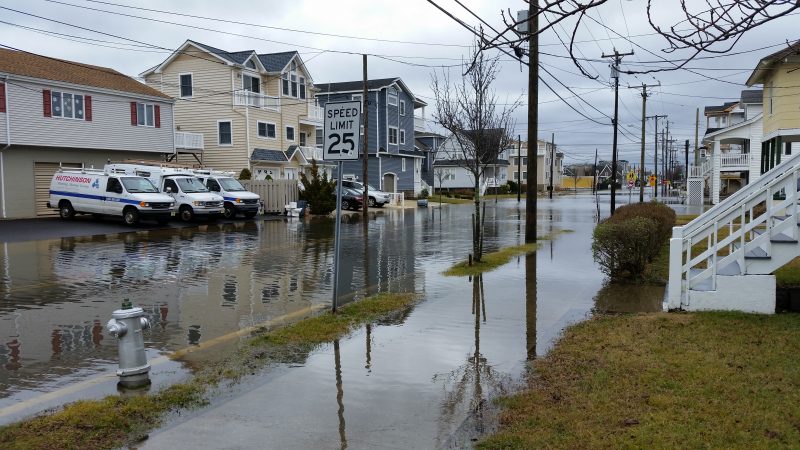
x: 109, y: 129
x: 786, y: 109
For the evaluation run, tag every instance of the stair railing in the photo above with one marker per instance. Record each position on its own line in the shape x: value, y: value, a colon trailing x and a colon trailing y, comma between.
x: 748, y: 227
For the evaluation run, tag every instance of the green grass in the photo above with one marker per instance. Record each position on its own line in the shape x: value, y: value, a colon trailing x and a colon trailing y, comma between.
x: 490, y: 261
x: 788, y: 276
x: 702, y: 380
x: 115, y: 421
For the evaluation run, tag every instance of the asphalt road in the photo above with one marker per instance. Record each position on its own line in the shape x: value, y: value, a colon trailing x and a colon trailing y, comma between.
x: 84, y: 225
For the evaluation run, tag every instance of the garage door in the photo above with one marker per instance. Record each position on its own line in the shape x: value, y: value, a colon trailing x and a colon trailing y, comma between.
x: 42, y: 175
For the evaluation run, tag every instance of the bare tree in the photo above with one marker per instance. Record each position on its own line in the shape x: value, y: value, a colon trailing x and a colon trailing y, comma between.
x: 468, y: 109
x: 441, y: 174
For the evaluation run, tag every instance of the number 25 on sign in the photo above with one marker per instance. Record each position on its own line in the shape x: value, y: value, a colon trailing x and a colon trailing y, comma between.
x: 341, y: 131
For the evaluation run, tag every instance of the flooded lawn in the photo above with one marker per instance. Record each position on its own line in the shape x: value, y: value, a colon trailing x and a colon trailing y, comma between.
x: 426, y: 381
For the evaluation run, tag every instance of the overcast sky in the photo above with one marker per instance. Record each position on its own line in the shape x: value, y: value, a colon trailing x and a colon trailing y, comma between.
x: 430, y: 39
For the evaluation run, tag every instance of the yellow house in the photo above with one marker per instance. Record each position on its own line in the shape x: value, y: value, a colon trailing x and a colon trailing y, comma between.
x: 779, y: 73
x: 251, y: 110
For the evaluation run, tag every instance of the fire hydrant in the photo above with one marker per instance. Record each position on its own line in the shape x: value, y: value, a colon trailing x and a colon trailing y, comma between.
x: 127, y: 325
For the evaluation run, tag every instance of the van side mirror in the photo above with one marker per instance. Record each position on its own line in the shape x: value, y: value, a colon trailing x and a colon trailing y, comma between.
x: 168, y: 190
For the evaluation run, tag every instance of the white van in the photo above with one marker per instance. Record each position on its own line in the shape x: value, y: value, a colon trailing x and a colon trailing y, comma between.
x: 191, y: 197
x: 237, y: 199
x: 96, y: 192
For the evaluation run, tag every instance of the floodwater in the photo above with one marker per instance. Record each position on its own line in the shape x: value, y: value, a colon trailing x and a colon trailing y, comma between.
x: 426, y: 380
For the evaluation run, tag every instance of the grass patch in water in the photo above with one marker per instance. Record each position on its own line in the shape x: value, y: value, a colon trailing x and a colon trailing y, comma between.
x: 490, y: 261
x: 116, y: 421
x: 701, y: 380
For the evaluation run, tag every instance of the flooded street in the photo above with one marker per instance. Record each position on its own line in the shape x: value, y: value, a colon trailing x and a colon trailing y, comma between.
x: 424, y: 381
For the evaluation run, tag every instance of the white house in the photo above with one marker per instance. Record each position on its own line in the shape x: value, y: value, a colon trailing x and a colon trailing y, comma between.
x: 450, y: 173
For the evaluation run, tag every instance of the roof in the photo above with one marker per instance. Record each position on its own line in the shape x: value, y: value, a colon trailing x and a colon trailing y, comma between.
x: 412, y: 153
x: 275, y: 62
x: 46, y: 68
x: 262, y: 154
x: 420, y: 145
x: 752, y: 96
x: 425, y: 134
x: 346, y: 86
x: 719, y: 108
x: 757, y: 77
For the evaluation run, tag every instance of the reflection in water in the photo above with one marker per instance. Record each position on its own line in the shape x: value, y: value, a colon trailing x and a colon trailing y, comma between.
x: 530, y: 305
x: 339, y: 394
x: 194, y: 335
x: 368, y: 366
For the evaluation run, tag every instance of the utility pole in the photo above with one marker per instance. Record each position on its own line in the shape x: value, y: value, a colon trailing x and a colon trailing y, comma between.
x: 686, y: 167
x: 533, y: 119
x: 666, y: 148
x: 519, y: 167
x: 696, y: 141
x: 552, y: 158
x: 615, y: 74
x: 365, y: 155
x: 655, y: 154
x: 594, y: 174
x: 644, y: 118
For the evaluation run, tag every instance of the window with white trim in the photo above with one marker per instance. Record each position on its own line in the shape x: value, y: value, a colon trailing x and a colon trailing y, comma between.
x: 393, y: 135
x: 289, y: 133
x: 319, y: 133
x: 224, y: 132
x: 267, y: 130
x: 402, y: 136
x: 302, y: 88
x: 289, y: 83
x: 251, y: 83
x: 186, y: 85
x: 392, y: 96
x: 402, y: 107
x: 145, y: 115
x: 67, y: 105
x: 403, y: 165
x: 250, y: 64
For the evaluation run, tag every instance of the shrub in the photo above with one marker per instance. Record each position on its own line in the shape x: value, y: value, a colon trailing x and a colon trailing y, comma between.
x: 505, y: 189
x: 662, y: 215
x: 318, y: 191
x: 623, y: 248
x: 245, y: 174
x: 513, y: 186
x: 423, y: 193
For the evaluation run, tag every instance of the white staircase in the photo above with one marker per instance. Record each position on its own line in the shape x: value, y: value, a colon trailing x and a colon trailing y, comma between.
x: 743, y: 240
x: 695, y: 186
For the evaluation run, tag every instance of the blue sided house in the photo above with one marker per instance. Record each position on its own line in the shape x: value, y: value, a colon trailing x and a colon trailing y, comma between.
x: 394, y: 163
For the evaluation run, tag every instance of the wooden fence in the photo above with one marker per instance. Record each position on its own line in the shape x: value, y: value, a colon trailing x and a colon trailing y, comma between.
x: 275, y: 194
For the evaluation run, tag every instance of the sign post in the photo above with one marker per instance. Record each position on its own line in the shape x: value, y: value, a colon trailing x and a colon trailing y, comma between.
x: 341, y: 143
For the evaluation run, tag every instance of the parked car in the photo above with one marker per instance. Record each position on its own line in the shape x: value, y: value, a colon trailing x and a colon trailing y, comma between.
x: 377, y: 198
x: 351, y: 199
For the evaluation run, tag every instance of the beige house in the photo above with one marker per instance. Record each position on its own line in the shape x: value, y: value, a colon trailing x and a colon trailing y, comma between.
x: 254, y: 111
x: 518, y: 164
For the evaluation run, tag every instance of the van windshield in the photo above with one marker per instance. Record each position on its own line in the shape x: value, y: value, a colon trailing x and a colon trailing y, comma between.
x: 231, y: 185
x: 189, y: 185
x: 138, y: 184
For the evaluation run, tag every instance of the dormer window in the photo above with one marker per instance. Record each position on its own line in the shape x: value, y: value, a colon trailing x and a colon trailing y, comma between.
x: 393, y: 96
x: 289, y: 83
x: 250, y: 64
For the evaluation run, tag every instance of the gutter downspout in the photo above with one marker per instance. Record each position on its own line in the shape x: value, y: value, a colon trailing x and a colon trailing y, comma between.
x: 8, y: 144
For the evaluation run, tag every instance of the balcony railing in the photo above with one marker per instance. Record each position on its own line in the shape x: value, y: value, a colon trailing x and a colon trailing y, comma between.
x: 312, y: 153
x: 419, y: 123
x: 735, y: 160
x: 256, y: 100
x: 315, y: 113
x: 193, y: 141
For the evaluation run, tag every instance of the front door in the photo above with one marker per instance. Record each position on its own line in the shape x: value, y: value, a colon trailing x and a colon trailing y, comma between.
x: 302, y: 139
x: 389, y: 182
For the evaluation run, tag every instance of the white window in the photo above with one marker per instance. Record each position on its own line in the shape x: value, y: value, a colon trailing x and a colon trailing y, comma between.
x: 303, y: 138
x: 250, y: 64
x: 403, y: 164
x: 402, y: 136
x: 319, y: 133
x: 402, y: 107
x: 289, y: 83
x: 302, y: 88
x: 516, y: 176
x: 393, y: 135
x: 267, y: 130
x: 224, y: 132
x: 66, y: 105
x: 145, y: 115
x: 289, y: 133
x: 186, y: 85
x: 250, y: 83
x: 393, y: 96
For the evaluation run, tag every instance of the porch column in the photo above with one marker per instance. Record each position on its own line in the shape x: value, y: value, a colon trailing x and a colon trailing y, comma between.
x: 779, y: 150
x: 715, y: 172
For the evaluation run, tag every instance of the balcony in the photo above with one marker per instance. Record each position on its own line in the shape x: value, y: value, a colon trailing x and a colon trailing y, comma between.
x: 314, y: 116
x: 312, y: 153
x: 734, y: 161
x: 419, y: 124
x: 256, y: 100
x: 189, y: 141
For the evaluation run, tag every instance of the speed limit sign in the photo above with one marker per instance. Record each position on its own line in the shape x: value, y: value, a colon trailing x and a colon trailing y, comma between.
x: 342, y: 137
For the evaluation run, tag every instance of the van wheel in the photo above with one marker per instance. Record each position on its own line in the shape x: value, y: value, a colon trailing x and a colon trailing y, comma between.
x: 130, y: 216
x: 371, y: 202
x: 65, y: 210
x: 250, y: 214
x: 186, y: 213
x: 229, y: 211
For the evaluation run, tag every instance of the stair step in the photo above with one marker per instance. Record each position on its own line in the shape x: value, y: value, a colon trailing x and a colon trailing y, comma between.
x: 756, y: 253
x: 778, y: 237
x: 705, y: 285
x: 731, y: 269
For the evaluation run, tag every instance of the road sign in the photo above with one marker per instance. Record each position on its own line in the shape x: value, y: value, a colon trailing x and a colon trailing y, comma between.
x: 342, y: 131
x: 652, y: 180
x: 631, y: 176
x: 630, y: 184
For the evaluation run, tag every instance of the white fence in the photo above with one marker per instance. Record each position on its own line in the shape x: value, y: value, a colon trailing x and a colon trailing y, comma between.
x: 188, y: 140
x: 275, y: 194
x: 255, y: 99
x: 315, y: 112
x: 735, y: 160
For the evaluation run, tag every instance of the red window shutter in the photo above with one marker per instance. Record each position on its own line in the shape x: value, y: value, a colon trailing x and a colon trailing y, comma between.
x: 133, y: 114
x: 157, y: 114
x: 87, y: 107
x: 3, y: 97
x: 47, y: 106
